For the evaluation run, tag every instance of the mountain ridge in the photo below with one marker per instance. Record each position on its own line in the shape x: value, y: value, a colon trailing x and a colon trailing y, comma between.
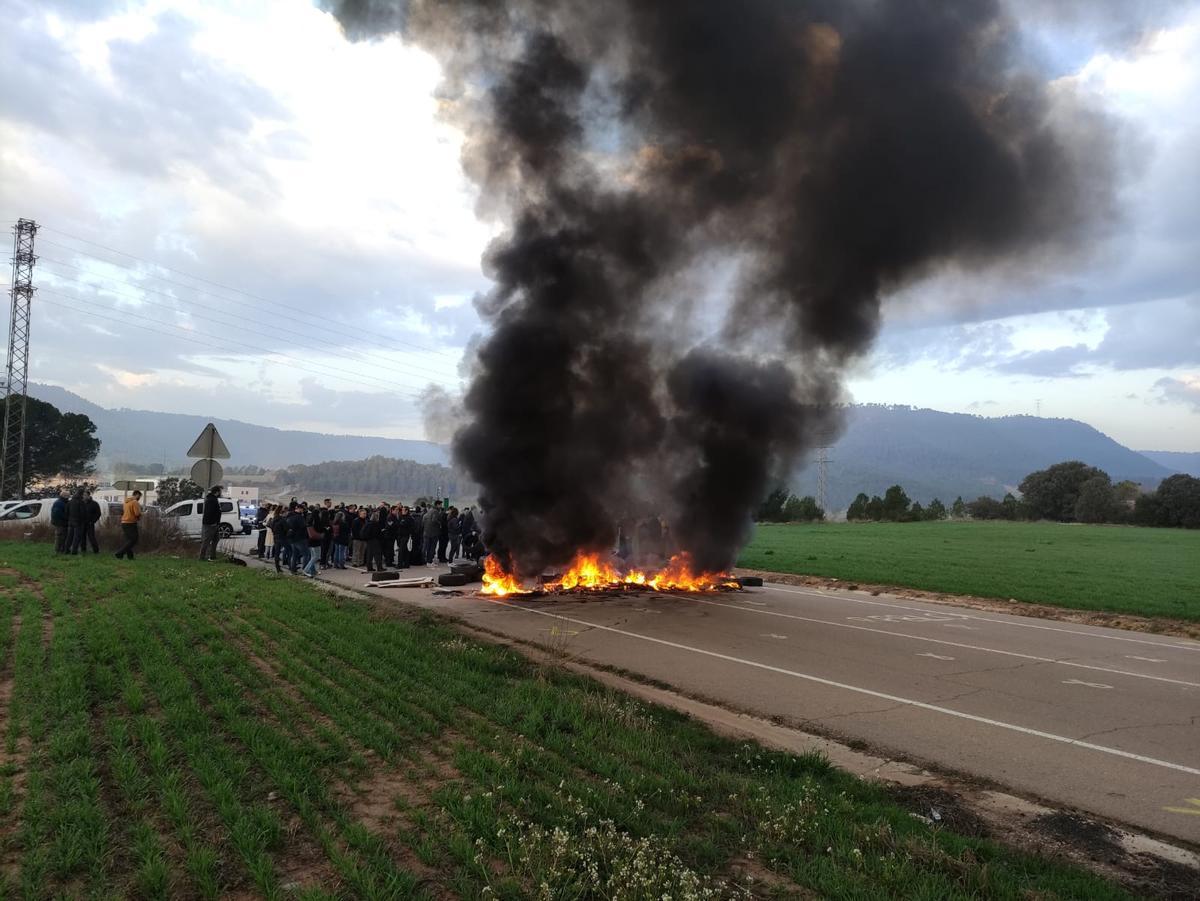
x: 144, y: 436
x: 1178, y: 461
x: 931, y: 453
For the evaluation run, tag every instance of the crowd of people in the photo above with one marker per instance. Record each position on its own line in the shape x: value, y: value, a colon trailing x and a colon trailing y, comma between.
x: 310, y: 537
x: 74, y: 519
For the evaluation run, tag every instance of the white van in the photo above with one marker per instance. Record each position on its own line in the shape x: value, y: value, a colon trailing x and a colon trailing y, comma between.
x: 188, y: 517
x: 28, y: 511
x: 39, y: 511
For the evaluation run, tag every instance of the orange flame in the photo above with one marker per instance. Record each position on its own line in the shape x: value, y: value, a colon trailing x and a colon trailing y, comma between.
x: 588, y: 572
x: 498, y: 582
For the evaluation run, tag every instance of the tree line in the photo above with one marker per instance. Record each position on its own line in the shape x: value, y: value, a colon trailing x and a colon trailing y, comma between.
x: 896, y: 506
x: 780, y: 506
x: 1070, y: 491
x: 378, y: 475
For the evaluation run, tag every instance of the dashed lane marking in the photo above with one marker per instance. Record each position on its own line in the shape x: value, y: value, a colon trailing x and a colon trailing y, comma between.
x: 986, y: 619
x: 1088, y: 684
x: 773, y: 635
x: 936, y: 656
x: 1193, y: 811
x: 942, y: 641
x: 895, y: 699
x: 1144, y: 659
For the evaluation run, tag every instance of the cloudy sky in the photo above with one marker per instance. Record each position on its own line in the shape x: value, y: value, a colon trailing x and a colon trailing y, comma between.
x: 244, y: 215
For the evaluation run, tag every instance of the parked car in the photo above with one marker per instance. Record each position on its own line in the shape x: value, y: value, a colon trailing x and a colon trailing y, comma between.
x: 38, y: 510
x: 29, y: 511
x: 187, y: 516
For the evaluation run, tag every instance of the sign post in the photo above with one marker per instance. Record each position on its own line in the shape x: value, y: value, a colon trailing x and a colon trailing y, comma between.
x: 209, y: 447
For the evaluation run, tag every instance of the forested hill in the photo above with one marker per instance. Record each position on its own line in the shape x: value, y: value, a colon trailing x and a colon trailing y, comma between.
x: 380, y: 476
x: 142, y: 436
x: 934, y: 454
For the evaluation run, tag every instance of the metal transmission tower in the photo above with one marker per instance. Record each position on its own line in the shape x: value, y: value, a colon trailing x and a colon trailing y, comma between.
x: 12, y: 454
x: 823, y: 475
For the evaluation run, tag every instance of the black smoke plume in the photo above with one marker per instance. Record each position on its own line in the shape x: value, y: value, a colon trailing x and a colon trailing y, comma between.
x: 705, y: 202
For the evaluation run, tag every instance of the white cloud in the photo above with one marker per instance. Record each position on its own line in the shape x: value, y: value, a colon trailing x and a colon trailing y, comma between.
x: 251, y: 144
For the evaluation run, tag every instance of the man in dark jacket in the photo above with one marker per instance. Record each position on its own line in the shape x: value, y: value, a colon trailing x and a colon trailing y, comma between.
x: 58, y: 519
x: 325, y: 513
x: 443, y: 534
x: 454, y: 530
x: 260, y: 520
x: 297, y: 538
x: 404, y: 534
x: 210, y: 524
x: 89, y: 527
x: 432, y: 528
x: 77, y: 513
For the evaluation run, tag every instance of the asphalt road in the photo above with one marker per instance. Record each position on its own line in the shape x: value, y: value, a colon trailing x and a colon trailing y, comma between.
x: 1099, y: 719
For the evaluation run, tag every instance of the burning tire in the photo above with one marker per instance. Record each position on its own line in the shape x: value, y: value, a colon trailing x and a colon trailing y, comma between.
x: 472, y: 571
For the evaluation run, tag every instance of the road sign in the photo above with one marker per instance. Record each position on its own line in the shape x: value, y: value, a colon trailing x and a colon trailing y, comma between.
x: 209, y: 445
x: 133, y: 485
x: 207, y: 473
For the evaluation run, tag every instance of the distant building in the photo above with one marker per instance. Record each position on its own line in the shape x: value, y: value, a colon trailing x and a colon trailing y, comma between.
x: 247, y: 494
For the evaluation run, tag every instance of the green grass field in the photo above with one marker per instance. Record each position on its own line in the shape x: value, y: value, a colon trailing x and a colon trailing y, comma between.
x: 1153, y: 572
x: 173, y: 729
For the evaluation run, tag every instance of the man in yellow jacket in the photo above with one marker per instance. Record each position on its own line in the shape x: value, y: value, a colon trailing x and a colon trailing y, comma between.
x: 130, y: 515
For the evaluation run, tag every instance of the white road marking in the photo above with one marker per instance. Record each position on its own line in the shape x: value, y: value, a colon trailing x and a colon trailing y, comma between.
x: 841, y: 597
x: 757, y: 603
x: 1088, y: 684
x: 1145, y: 659
x: 773, y: 635
x: 961, y: 626
x: 936, y: 656
x: 941, y: 641
x: 895, y: 699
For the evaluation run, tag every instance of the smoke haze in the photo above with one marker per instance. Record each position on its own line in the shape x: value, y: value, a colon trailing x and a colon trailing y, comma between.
x: 826, y: 153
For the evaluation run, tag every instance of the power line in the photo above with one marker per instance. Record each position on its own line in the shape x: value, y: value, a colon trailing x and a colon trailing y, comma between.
x: 217, y: 285
x: 122, y: 321
x: 221, y: 338
x: 419, y: 373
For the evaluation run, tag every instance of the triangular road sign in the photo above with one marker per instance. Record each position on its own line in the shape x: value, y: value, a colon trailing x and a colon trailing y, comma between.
x: 209, y: 445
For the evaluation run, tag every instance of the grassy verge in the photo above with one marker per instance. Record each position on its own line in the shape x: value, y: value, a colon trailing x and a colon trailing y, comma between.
x: 178, y: 729
x: 1116, y: 569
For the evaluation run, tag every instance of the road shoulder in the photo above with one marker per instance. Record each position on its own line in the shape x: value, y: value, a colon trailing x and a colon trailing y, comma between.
x: 1156, y: 625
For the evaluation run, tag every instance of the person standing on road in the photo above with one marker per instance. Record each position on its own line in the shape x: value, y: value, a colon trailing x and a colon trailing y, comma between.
x: 404, y: 531
x: 432, y: 527
x: 260, y: 523
x: 279, y: 517
x: 326, y: 515
x: 297, y: 538
x: 130, y: 515
x: 58, y: 519
x: 358, y: 543
x: 454, y: 533
x: 210, y: 524
x: 443, y: 533
x: 89, y: 525
x: 371, y: 531
x: 316, y: 541
x: 338, y: 540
